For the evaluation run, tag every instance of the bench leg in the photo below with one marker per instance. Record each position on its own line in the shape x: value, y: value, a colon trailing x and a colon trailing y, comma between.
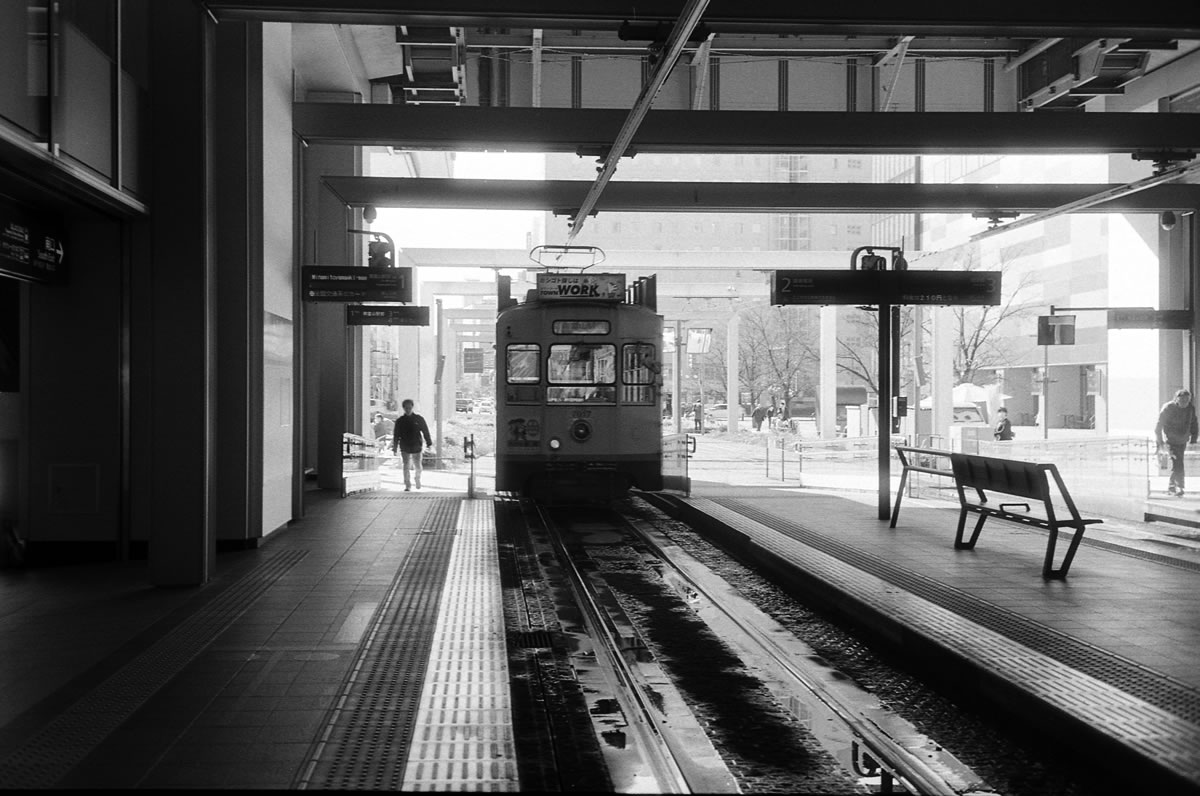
x: 899, y: 496
x: 959, y: 544
x: 1047, y: 566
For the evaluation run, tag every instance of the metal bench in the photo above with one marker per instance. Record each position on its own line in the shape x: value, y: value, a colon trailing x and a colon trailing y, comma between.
x: 1021, y: 479
x: 923, y: 463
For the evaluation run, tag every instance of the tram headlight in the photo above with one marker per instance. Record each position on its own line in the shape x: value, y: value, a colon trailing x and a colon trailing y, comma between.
x: 555, y: 443
x: 581, y: 430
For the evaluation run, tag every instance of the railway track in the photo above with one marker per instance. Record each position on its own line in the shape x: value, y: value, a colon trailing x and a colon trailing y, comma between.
x: 713, y: 695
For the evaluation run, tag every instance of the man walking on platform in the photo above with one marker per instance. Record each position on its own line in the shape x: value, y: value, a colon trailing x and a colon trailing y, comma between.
x: 1177, y: 421
x: 407, y: 435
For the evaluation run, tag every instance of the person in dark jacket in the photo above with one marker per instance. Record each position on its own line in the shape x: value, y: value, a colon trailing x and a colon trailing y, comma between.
x: 1177, y: 423
x: 1003, y: 431
x: 407, y: 435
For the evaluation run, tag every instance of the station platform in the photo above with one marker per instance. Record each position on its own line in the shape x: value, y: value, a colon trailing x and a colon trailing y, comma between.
x: 287, y: 670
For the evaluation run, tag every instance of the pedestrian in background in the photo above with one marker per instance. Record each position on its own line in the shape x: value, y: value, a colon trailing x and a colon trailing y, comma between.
x: 407, y: 435
x: 760, y: 414
x: 1003, y: 431
x: 1177, y: 424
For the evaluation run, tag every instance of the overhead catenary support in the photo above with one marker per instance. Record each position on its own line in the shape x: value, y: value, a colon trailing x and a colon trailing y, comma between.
x: 674, y: 47
x: 536, y: 57
x: 701, y: 62
x: 896, y: 54
x: 1168, y: 175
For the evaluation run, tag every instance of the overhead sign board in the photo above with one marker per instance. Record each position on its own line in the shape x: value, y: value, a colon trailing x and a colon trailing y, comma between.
x: 564, y: 286
x: 893, y: 287
x: 472, y: 360
x: 944, y: 287
x: 31, y: 245
x: 356, y: 283
x: 825, y: 287
x: 1146, y: 318
x: 367, y: 315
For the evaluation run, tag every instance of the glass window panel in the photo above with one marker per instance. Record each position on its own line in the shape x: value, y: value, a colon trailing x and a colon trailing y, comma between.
x: 634, y: 395
x: 135, y: 85
x: 25, y: 67
x: 524, y: 363
x: 581, y: 327
x: 638, y: 373
x: 87, y: 36
x: 637, y: 363
x: 593, y: 394
x: 582, y: 363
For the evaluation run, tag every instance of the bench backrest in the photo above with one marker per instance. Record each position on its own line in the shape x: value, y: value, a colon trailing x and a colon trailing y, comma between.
x: 1011, y: 476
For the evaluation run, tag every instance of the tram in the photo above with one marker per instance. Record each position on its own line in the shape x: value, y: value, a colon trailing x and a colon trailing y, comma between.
x: 578, y: 389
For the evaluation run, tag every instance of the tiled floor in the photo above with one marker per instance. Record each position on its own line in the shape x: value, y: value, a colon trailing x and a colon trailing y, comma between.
x: 244, y: 697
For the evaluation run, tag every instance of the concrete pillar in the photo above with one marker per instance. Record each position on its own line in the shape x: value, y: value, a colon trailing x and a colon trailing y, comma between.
x: 173, y: 422
x: 942, y: 379
x: 330, y: 352
x: 827, y: 373
x: 732, y: 382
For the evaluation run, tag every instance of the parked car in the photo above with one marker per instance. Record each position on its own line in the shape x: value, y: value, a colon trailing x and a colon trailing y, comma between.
x: 719, y: 413
x: 463, y: 405
x: 485, y: 405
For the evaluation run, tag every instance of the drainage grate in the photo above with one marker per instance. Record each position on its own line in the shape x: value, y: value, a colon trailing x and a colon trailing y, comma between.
x: 1166, y: 693
x: 531, y: 639
x: 367, y: 738
x: 50, y: 754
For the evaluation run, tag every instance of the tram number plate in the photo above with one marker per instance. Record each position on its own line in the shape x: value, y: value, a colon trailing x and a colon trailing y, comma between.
x: 581, y: 413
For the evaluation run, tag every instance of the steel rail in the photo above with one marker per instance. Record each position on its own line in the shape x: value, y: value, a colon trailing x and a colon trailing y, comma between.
x: 902, y: 764
x: 636, y: 703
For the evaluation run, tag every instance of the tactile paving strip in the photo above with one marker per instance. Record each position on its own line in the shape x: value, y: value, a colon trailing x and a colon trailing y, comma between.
x: 1150, y: 730
x: 1158, y: 689
x: 52, y: 752
x: 366, y: 739
x: 464, y: 738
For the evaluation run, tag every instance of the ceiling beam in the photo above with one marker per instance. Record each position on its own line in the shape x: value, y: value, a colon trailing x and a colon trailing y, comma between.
x: 662, y: 131
x: 753, y: 197
x: 1026, y: 18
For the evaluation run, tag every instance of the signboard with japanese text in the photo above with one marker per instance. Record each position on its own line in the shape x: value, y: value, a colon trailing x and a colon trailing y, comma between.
x: 892, y: 287
x: 472, y: 360
x: 372, y: 315
x: 560, y: 286
x: 356, y: 283
x: 31, y: 245
x: 1146, y: 318
x: 945, y: 288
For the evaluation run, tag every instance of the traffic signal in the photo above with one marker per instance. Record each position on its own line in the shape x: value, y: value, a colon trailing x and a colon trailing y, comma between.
x: 380, y: 254
x: 873, y: 262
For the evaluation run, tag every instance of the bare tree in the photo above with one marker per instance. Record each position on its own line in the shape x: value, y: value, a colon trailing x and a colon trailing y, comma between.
x: 776, y: 352
x: 979, y: 343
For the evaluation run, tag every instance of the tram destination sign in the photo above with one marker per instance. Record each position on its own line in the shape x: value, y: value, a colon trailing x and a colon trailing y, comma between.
x: 368, y: 315
x: 31, y: 245
x: 565, y: 287
x: 356, y: 283
x: 815, y: 286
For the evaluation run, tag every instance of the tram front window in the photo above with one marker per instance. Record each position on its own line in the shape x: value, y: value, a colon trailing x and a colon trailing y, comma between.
x: 582, y: 373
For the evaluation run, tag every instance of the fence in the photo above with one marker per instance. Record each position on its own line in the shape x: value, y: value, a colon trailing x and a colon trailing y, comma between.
x: 1107, y: 475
